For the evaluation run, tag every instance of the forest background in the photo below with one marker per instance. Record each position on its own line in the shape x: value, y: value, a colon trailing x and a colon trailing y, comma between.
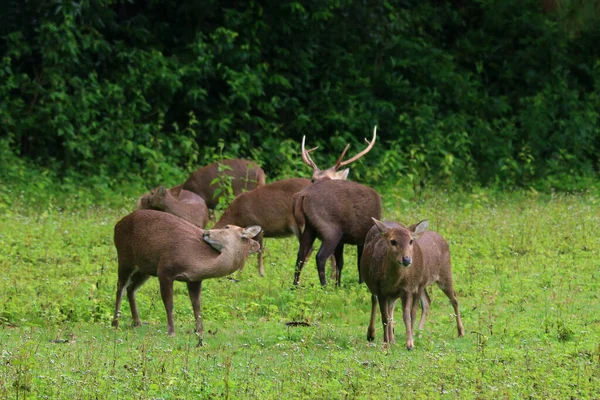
x: 111, y: 94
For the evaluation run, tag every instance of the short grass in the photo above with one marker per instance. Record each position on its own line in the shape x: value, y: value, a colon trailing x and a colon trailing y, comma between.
x: 526, y: 270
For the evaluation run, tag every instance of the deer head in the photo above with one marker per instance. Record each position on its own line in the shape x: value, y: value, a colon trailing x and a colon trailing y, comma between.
x: 332, y: 172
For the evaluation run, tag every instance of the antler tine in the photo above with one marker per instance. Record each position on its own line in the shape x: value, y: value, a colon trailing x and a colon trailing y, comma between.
x: 362, y: 153
x: 341, y: 157
x: 306, y: 157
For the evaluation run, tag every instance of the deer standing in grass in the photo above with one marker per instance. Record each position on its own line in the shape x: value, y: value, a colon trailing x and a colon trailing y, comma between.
x: 400, y: 262
x: 270, y: 206
x: 210, y: 182
x: 153, y: 243
x: 185, y: 204
x: 335, y: 211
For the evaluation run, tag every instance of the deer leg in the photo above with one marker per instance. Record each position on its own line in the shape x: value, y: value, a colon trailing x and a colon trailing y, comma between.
x: 371, y: 328
x: 384, y: 310
x: 137, y: 279
x: 166, y: 292
x: 448, y: 288
x: 261, y: 267
x: 391, y: 321
x: 425, y: 303
x: 333, y: 275
x: 407, y: 300
x: 413, y: 314
x: 195, y: 293
x: 124, y: 273
x: 306, y: 246
x: 328, y: 247
x: 339, y: 263
x: 359, y: 251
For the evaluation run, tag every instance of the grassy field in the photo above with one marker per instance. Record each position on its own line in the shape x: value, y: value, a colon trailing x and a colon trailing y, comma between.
x: 526, y: 270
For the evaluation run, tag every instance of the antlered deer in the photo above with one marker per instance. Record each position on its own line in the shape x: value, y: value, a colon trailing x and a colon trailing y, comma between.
x: 338, y: 213
x: 154, y: 243
x: 400, y: 262
x: 270, y: 206
x: 332, y: 172
x: 187, y: 205
x: 336, y: 205
x: 245, y: 175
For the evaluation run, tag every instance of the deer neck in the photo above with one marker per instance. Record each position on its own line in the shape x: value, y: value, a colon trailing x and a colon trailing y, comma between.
x: 223, y: 263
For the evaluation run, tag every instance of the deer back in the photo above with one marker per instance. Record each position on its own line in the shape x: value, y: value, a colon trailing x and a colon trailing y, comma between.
x: 245, y: 175
x: 144, y: 237
x: 338, y: 206
x: 269, y: 206
x: 433, y: 253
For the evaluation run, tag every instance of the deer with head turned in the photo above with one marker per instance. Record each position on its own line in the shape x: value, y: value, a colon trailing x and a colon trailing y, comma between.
x: 187, y: 205
x: 243, y: 175
x: 337, y: 212
x: 401, y: 262
x: 153, y: 243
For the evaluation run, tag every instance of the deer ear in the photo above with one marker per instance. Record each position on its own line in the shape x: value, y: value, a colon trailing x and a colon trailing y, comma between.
x: 420, y: 228
x: 380, y: 226
x: 254, y: 247
x: 341, y: 175
x: 251, y: 231
x: 161, y: 190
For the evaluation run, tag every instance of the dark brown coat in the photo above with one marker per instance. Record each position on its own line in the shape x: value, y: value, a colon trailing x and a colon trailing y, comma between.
x: 337, y: 212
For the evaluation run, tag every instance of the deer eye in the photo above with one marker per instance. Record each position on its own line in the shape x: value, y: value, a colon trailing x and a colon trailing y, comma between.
x: 393, y: 242
x: 411, y: 242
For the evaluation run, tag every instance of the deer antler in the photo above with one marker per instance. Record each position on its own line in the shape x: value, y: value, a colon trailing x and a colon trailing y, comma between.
x: 359, y: 155
x: 306, y: 157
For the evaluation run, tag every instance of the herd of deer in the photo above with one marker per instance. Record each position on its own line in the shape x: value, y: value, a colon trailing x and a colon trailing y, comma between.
x: 165, y: 237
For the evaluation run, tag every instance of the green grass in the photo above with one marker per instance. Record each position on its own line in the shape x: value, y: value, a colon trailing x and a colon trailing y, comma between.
x: 526, y: 270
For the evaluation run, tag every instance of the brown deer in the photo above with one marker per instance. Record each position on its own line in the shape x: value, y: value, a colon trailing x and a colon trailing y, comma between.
x: 338, y: 213
x: 154, y: 243
x: 400, y: 262
x: 268, y: 206
x: 142, y: 203
x: 243, y: 175
x: 332, y: 172
x: 351, y: 231
x: 187, y: 205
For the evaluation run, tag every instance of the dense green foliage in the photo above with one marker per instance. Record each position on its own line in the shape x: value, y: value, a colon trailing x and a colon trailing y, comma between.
x: 525, y: 268
x: 483, y: 92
